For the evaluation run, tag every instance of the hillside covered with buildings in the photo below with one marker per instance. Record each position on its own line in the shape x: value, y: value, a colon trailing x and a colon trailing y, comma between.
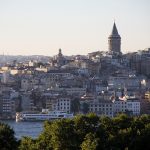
x: 103, y: 82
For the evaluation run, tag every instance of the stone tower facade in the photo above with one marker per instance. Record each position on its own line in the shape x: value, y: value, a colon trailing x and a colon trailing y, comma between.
x: 114, y: 41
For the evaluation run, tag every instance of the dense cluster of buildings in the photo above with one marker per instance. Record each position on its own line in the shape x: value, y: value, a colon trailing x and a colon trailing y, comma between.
x: 106, y: 83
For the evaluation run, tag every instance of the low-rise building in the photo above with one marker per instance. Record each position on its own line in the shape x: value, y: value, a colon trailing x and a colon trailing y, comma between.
x: 120, y: 106
x: 62, y: 104
x: 73, y: 90
x: 129, y: 105
x: 54, y: 100
x: 102, y: 108
x: 133, y: 105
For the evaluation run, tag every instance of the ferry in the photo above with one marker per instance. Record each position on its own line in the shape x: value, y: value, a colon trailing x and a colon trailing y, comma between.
x: 51, y: 115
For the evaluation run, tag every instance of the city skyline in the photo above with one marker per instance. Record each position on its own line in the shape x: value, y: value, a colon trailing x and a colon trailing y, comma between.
x: 78, y: 27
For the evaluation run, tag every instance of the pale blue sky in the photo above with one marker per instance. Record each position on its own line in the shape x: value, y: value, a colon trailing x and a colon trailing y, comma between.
x: 77, y: 26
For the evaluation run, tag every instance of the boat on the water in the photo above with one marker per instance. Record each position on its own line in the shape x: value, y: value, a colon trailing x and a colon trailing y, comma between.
x: 42, y: 116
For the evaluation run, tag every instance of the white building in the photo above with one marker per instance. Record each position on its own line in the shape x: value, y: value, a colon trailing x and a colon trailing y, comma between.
x: 31, y: 63
x: 55, y: 75
x: 131, y: 105
x: 119, y: 82
x: 29, y: 84
x: 7, y: 101
x: 42, y: 69
x: 8, y: 105
x: 62, y: 104
x: 73, y: 90
x: 120, y: 106
x: 102, y: 108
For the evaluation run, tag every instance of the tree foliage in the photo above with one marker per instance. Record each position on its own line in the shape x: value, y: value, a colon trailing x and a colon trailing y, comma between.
x: 27, y: 143
x: 37, y: 98
x: 75, y: 105
x: 86, y: 132
x: 90, y: 142
x: 85, y: 107
x: 7, y: 138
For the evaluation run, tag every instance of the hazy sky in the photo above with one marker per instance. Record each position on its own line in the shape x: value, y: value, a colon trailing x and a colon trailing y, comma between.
x: 77, y: 26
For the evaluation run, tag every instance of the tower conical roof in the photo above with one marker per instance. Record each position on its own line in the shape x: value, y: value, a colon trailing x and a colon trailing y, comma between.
x: 114, y: 31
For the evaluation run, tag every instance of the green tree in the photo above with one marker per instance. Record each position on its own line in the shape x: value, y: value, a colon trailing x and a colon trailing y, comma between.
x: 28, y: 143
x: 119, y: 137
x: 140, y: 132
x: 104, y: 131
x: 75, y: 105
x: 44, y: 139
x: 122, y: 121
x: 143, y: 139
x: 90, y: 132
x: 61, y: 140
x: 106, y: 123
x: 85, y: 107
x: 120, y: 140
x: 91, y: 142
x: 85, y: 124
x: 7, y: 138
x: 37, y: 98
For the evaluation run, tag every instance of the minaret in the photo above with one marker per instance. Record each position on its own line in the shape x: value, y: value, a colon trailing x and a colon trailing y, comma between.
x: 114, y: 41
